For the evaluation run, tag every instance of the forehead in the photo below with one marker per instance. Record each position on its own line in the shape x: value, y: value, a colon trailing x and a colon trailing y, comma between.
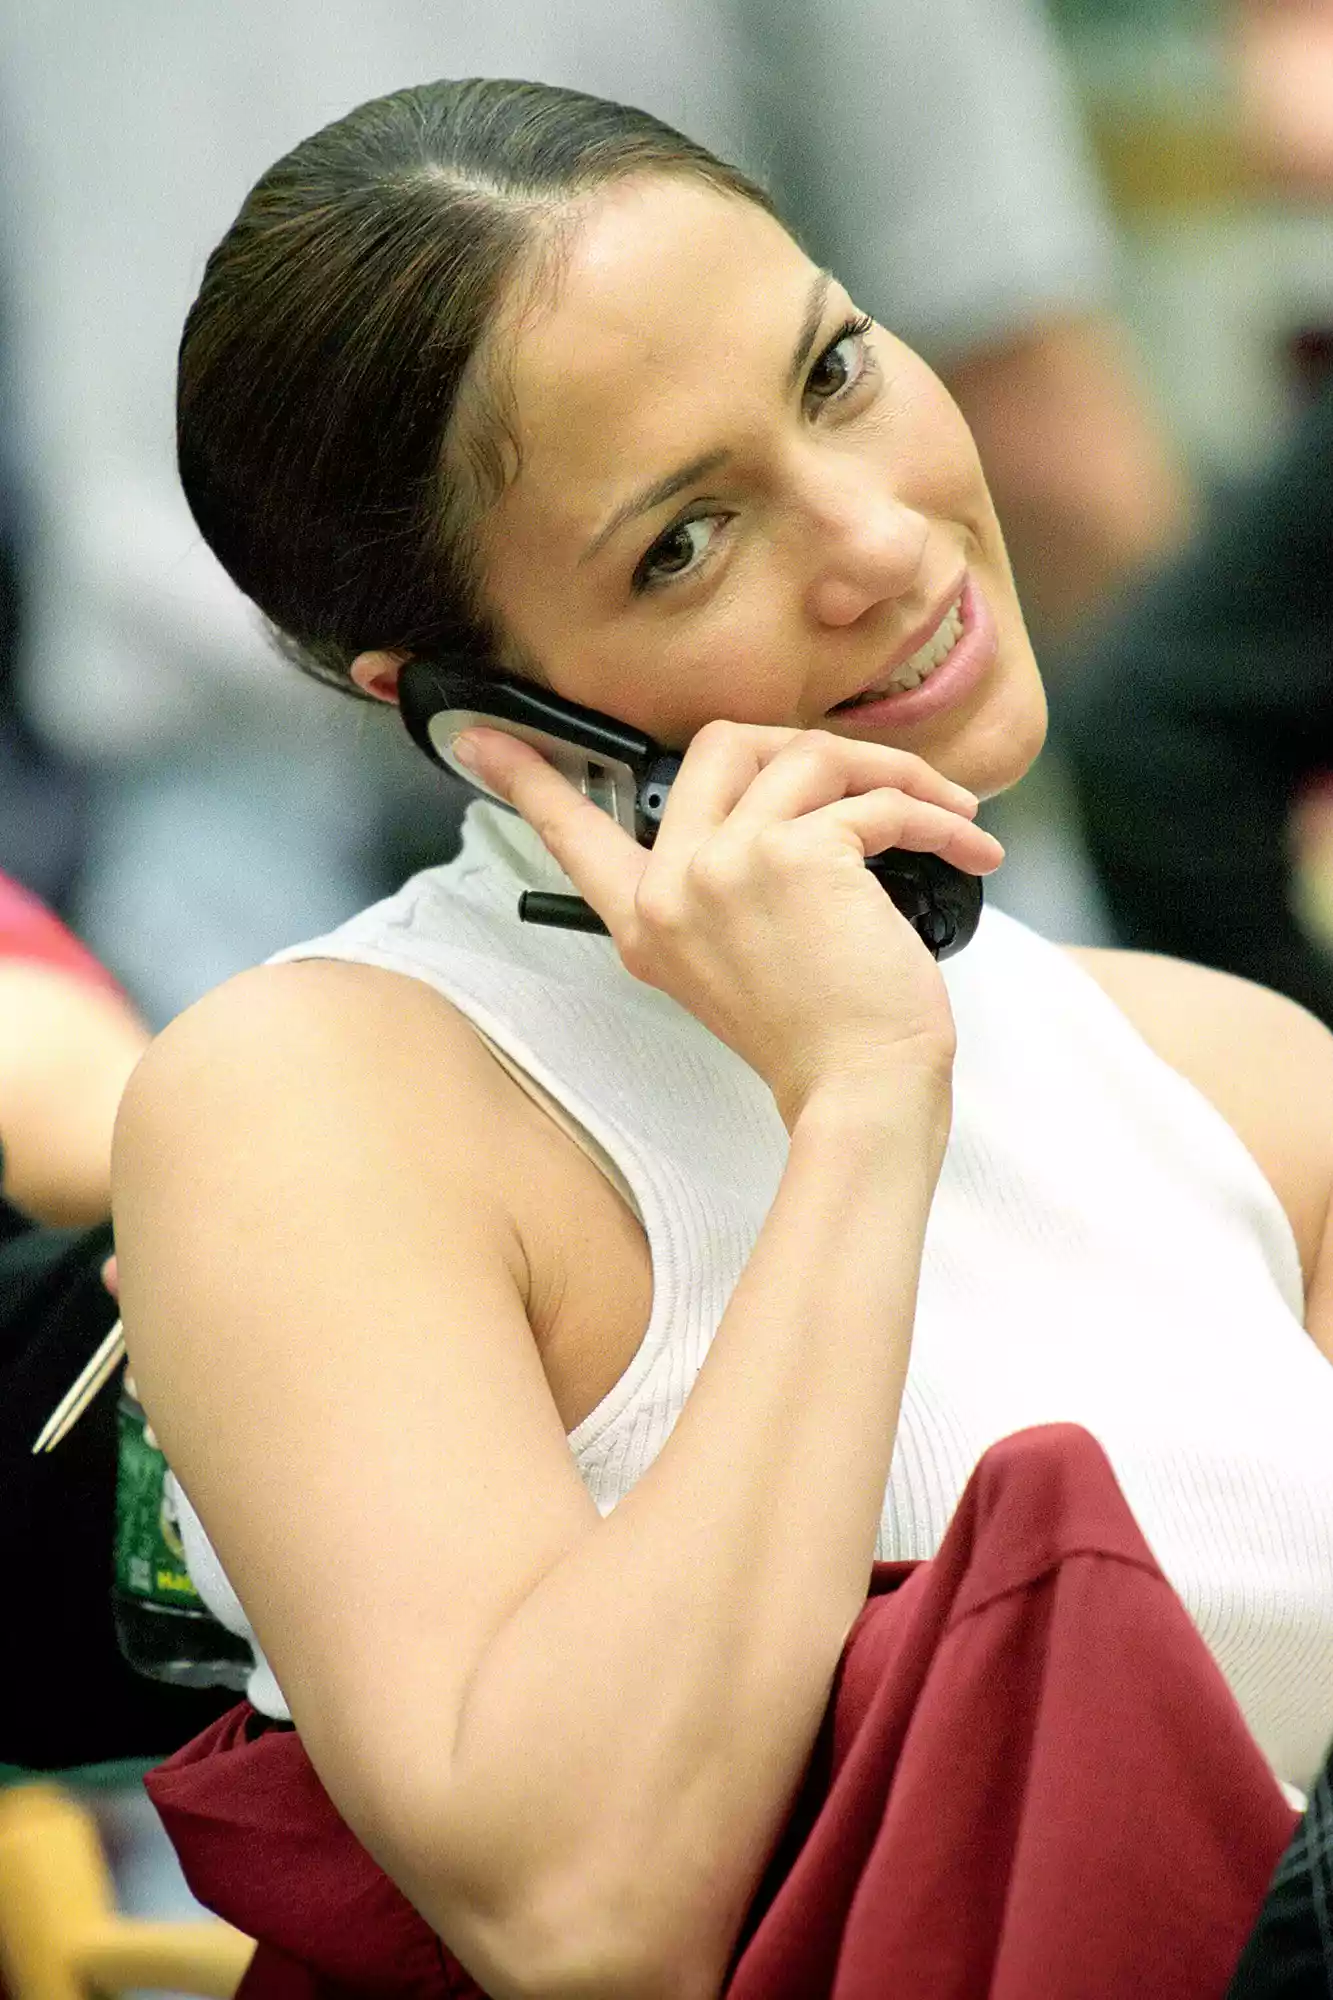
x: 676, y: 307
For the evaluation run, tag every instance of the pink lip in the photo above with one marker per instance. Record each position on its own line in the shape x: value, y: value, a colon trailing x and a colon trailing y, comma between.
x: 954, y: 678
x: 920, y: 636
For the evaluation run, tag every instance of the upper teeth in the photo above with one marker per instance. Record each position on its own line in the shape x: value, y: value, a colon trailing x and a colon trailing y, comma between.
x: 926, y: 658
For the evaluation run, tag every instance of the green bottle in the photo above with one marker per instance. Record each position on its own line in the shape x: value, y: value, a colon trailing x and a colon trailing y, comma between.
x: 163, y: 1627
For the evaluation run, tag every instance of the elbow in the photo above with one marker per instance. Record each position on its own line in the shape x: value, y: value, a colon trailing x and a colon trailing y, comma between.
x: 575, y: 1939
x: 604, y: 1887
x: 587, y: 1926
x: 594, y: 1959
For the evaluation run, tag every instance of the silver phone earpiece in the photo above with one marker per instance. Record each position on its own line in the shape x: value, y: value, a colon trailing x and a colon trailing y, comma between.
x: 607, y: 781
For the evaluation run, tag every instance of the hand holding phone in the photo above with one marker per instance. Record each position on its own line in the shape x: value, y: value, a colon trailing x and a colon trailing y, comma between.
x: 749, y: 902
x: 630, y: 776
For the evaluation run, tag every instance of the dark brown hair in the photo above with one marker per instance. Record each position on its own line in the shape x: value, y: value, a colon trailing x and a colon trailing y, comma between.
x: 321, y: 363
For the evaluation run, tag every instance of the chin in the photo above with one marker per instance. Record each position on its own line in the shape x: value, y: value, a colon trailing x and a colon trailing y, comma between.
x: 1002, y: 744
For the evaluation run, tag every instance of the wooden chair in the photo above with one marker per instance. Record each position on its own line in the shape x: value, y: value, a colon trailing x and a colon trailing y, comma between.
x: 61, y: 1936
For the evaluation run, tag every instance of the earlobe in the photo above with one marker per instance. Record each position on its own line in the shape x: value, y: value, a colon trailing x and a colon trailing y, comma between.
x: 377, y: 673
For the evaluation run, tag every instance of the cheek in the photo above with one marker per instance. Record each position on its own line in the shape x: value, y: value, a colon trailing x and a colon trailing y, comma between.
x: 669, y: 678
x: 940, y: 470
x: 729, y: 667
x: 925, y: 438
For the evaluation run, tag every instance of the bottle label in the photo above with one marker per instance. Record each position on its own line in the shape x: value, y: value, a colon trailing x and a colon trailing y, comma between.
x: 150, y: 1557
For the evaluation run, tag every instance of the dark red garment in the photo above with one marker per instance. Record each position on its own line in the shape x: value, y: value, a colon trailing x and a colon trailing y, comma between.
x: 28, y: 930
x: 1032, y: 1784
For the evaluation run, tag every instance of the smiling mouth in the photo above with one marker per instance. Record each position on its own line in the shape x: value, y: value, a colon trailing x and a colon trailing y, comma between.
x: 919, y: 667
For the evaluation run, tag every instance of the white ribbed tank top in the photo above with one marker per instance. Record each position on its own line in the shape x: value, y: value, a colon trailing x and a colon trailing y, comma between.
x: 1102, y: 1249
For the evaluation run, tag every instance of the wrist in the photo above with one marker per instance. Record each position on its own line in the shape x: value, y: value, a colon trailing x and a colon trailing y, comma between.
x: 908, y: 1091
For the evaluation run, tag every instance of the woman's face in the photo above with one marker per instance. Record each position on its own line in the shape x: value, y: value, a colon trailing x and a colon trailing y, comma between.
x: 737, y: 498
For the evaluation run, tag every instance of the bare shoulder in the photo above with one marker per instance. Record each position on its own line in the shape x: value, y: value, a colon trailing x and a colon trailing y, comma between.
x: 298, y: 1034
x: 323, y: 997
x: 307, y: 1104
x: 1261, y: 1059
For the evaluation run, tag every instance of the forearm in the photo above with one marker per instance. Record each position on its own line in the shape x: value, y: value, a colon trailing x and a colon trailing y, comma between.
x: 66, y: 1053
x: 631, y: 1737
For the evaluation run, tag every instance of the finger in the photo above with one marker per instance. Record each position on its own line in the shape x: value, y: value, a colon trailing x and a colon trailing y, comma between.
x: 602, y: 861
x: 816, y: 768
x: 760, y: 773
x: 111, y: 1277
x: 720, y: 764
x: 880, y: 820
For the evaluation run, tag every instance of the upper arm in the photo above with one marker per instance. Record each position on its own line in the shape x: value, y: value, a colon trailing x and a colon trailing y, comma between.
x: 1267, y: 1065
x: 324, y: 1303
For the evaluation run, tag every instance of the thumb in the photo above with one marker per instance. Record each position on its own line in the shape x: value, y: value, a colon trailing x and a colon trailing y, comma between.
x: 603, y: 862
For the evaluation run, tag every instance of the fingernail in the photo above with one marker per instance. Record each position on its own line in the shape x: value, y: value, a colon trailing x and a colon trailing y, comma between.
x: 465, y: 748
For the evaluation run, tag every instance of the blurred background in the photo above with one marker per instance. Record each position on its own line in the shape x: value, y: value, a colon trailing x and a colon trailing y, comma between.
x: 1108, y: 224
x: 1212, y: 129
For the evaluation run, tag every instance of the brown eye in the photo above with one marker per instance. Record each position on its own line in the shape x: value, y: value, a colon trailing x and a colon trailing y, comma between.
x: 842, y: 362
x: 677, y: 552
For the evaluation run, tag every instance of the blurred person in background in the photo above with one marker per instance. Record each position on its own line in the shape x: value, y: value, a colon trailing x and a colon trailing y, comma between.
x: 40, y: 799
x: 69, y: 1038
x: 1284, y: 73
x: 68, y: 1041
x: 1199, y: 728
x: 232, y: 813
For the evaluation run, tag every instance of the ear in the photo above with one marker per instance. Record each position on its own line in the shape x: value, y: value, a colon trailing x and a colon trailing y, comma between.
x: 377, y: 673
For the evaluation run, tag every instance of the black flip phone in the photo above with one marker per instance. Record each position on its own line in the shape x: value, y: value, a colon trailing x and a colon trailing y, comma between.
x: 630, y: 776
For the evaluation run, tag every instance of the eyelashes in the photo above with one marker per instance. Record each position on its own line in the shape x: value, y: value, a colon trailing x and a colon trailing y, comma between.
x: 656, y: 569
x: 856, y: 328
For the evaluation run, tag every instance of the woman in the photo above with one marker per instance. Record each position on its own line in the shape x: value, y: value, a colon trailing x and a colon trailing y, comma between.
x: 550, y: 1226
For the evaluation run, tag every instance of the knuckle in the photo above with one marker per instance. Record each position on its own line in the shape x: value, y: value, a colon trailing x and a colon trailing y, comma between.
x: 777, y: 844
x: 910, y: 766
x: 717, y: 870
x: 547, y: 825
x: 657, y: 911
x: 716, y: 734
x: 645, y: 942
x: 819, y: 747
x: 636, y: 954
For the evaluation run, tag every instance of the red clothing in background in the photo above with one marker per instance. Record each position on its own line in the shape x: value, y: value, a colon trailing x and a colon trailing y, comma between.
x: 28, y: 930
x: 1032, y: 1783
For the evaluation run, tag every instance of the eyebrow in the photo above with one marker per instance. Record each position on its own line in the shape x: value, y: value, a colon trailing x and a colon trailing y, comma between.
x: 662, y: 490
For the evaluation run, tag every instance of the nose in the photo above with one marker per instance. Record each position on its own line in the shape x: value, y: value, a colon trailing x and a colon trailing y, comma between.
x: 867, y: 544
